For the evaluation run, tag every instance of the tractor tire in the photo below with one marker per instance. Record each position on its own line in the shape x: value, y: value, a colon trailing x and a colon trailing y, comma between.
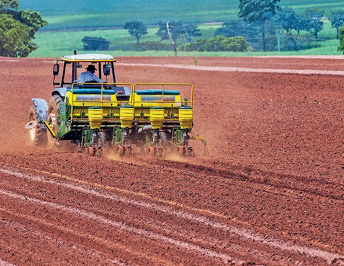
x: 37, y: 135
x: 52, y: 120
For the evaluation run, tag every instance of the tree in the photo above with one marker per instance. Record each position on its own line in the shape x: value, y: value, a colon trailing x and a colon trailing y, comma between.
x: 297, y: 42
x: 285, y: 19
x: 177, y: 29
x: 337, y: 20
x: 18, y: 28
x: 238, y: 28
x: 341, y: 39
x: 314, y: 16
x: 6, y: 5
x: 260, y: 12
x: 190, y: 30
x: 14, y: 37
x: 32, y: 19
x: 136, y: 29
x: 301, y: 23
x: 174, y: 30
x: 95, y: 43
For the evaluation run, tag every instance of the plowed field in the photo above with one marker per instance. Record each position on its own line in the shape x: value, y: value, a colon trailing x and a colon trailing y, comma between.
x: 270, y: 189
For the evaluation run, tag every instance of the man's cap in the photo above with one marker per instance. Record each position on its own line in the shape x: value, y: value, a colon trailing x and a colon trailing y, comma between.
x: 91, y: 67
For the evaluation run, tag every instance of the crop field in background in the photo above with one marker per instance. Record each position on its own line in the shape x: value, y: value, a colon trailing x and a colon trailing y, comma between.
x: 64, y: 14
x: 70, y: 21
x: 59, y: 43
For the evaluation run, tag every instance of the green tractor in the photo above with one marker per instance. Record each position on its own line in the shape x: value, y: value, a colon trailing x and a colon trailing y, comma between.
x: 95, y: 112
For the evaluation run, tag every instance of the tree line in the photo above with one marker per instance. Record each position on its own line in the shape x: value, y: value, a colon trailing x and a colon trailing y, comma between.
x: 261, y: 25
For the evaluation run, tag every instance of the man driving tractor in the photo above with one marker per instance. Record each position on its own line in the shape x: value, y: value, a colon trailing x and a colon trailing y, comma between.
x: 89, y: 76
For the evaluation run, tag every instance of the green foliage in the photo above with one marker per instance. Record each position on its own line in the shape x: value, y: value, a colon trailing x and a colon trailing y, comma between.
x: 95, y: 43
x: 337, y: 19
x: 17, y: 29
x: 301, y: 23
x: 298, y: 42
x: 285, y: 19
x: 314, y: 16
x: 14, y: 37
x: 136, y: 29
x: 238, y: 28
x: 341, y: 40
x: 198, y: 45
x: 178, y: 30
x: 217, y: 43
x: 6, y: 5
x: 259, y: 12
x: 32, y: 19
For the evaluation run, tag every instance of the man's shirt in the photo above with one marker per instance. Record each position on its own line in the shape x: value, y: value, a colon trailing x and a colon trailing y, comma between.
x: 88, y: 76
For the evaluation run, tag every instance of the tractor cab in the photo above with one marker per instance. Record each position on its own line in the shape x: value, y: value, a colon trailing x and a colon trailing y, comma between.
x: 74, y: 65
x: 103, y: 69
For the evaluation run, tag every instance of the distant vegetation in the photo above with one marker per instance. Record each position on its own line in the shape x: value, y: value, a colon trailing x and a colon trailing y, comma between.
x: 217, y: 44
x: 136, y: 29
x: 94, y: 43
x: 306, y: 27
x: 341, y: 39
x: 17, y: 29
x: 64, y: 14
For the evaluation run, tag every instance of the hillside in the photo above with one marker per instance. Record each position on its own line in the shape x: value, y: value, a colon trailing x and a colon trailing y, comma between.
x: 79, y: 14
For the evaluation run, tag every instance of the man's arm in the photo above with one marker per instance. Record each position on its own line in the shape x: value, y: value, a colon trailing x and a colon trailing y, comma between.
x: 94, y: 77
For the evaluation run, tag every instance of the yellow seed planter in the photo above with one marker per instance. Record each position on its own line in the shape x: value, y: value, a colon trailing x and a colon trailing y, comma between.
x: 185, y: 117
x: 126, y: 116
x: 157, y: 117
x: 95, y: 116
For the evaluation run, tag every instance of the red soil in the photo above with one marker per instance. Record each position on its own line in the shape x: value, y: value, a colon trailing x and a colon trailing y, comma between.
x: 269, y: 191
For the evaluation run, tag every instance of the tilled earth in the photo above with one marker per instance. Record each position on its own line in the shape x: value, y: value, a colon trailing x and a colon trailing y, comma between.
x: 269, y: 190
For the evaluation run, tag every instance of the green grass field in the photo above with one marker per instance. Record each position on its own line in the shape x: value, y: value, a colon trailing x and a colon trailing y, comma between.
x: 64, y: 14
x: 59, y: 43
x: 70, y: 21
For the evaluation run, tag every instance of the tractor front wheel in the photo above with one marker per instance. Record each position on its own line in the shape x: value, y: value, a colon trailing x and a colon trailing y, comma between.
x: 54, y: 102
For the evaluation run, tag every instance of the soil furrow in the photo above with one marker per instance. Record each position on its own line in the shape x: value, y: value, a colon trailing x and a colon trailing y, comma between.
x: 228, y: 207
x: 273, y: 172
x: 243, y: 233
x: 123, y: 227
x: 26, y: 234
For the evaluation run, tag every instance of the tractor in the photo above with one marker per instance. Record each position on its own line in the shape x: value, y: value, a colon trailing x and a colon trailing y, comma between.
x: 151, y: 118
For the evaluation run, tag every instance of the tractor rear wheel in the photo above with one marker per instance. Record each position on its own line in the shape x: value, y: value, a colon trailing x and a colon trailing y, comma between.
x: 54, y: 102
x: 37, y: 135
